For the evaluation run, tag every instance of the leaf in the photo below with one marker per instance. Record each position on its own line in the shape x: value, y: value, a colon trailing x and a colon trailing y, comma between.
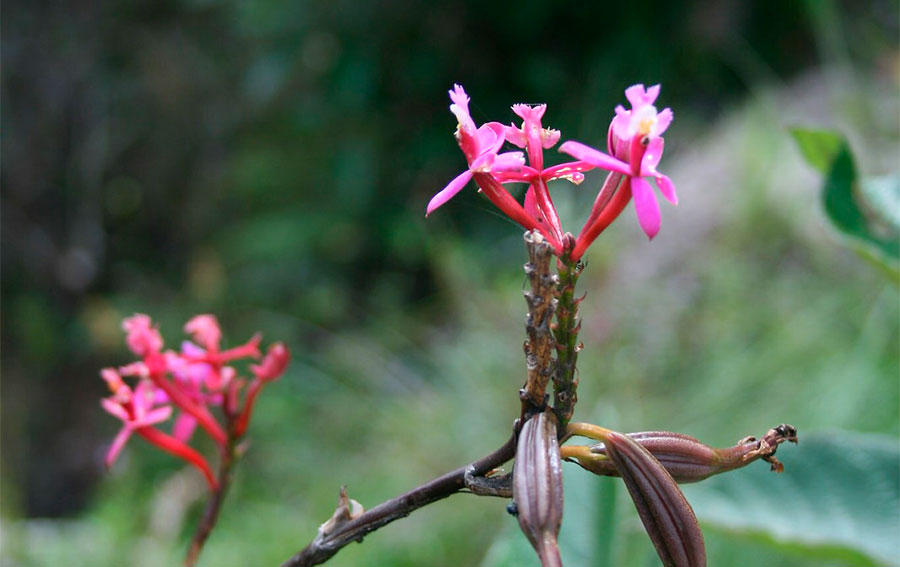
x: 819, y: 147
x: 839, y: 490
x: 867, y: 212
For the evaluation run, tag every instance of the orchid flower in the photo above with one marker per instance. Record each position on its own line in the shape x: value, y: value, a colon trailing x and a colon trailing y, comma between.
x: 142, y: 338
x: 480, y: 146
x: 138, y: 413
x: 488, y: 168
x: 134, y: 408
x: 192, y: 381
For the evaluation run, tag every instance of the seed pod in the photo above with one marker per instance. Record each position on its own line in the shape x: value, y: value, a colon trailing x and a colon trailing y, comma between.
x: 537, y: 486
x: 686, y: 458
x: 668, y: 518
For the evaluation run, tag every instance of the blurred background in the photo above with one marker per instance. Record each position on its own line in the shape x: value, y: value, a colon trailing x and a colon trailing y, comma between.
x: 270, y: 162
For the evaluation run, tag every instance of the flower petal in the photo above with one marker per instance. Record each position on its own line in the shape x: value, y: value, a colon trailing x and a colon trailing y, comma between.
x: 490, y: 137
x: 663, y: 119
x: 156, y: 416
x: 652, y: 156
x: 508, y: 161
x: 594, y: 157
x: 460, y: 108
x: 666, y: 187
x: 621, y: 123
x: 531, y: 206
x: 184, y: 427
x: 205, y: 330
x: 645, y: 206
x: 448, y: 192
x: 117, y: 445
x: 115, y: 408
x: 515, y: 136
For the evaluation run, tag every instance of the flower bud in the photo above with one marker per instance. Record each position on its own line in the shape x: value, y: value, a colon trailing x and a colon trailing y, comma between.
x: 537, y: 486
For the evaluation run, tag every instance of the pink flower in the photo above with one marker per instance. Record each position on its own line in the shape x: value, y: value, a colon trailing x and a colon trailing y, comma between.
x: 642, y: 119
x: 635, y: 136
x: 205, y: 330
x: 142, y: 338
x: 274, y: 364
x: 139, y: 414
x: 532, y: 135
x: 135, y: 409
x: 480, y: 147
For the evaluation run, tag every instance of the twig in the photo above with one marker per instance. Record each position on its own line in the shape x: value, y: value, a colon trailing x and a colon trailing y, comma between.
x: 325, y: 545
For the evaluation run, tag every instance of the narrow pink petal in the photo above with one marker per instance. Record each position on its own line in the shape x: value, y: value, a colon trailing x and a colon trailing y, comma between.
x: 460, y: 108
x: 651, y: 94
x: 569, y: 170
x: 652, y: 156
x: 184, y: 427
x: 156, y: 416
x: 135, y: 369
x: 645, y: 206
x: 667, y: 188
x: 448, y: 192
x: 594, y: 157
x: 117, y: 445
x: 663, y: 119
x: 115, y: 408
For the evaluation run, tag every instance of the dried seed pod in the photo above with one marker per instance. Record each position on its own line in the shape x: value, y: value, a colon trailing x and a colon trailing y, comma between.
x: 686, y: 458
x: 668, y: 518
x: 537, y: 486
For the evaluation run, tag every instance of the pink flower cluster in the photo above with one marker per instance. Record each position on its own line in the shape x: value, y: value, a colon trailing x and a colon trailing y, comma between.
x: 634, y: 144
x: 192, y: 382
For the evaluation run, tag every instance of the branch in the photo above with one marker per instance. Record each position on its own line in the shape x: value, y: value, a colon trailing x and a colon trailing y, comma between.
x: 348, y: 527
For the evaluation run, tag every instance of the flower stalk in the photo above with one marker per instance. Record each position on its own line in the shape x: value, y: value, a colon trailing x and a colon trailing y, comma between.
x: 565, y: 379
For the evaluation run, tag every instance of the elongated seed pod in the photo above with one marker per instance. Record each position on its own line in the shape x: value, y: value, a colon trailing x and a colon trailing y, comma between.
x: 537, y: 486
x: 668, y: 518
x: 686, y: 458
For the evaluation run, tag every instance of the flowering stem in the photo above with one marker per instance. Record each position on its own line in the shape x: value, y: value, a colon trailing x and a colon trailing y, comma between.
x: 541, y: 307
x: 565, y: 383
x: 214, y: 504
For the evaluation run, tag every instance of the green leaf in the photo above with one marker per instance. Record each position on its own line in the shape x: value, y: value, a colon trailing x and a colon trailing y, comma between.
x: 819, y: 147
x: 867, y: 212
x: 840, y: 492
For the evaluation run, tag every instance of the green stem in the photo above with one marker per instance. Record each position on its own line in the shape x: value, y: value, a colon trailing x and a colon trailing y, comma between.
x: 565, y: 381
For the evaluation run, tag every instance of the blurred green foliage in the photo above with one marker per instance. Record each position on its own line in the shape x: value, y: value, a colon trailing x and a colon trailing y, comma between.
x: 270, y: 162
